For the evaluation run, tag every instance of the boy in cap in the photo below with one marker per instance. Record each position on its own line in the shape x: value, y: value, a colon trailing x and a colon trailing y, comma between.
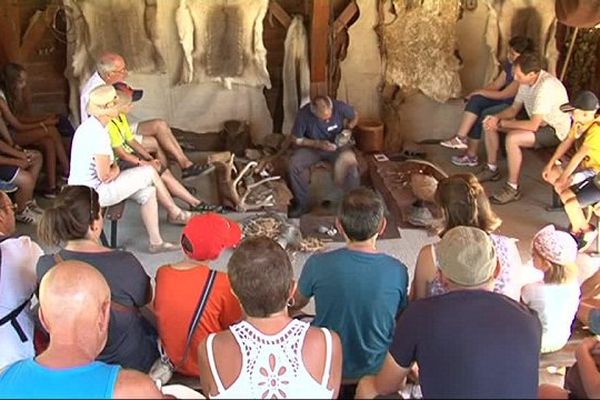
x: 179, y: 286
x: 468, y: 343
x: 575, y: 182
x: 129, y: 151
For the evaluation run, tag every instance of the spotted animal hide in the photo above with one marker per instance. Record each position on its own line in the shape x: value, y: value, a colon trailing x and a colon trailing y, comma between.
x: 126, y: 27
x: 296, y: 73
x: 420, y: 44
x: 228, y: 44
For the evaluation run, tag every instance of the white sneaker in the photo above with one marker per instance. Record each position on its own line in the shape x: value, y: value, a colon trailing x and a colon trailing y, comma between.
x: 455, y: 143
x: 26, y: 217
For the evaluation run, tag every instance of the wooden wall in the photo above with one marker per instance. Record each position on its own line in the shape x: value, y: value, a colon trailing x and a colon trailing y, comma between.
x: 41, y: 51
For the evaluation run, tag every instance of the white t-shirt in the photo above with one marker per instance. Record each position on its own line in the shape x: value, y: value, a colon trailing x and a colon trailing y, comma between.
x: 92, y: 83
x: 556, y: 306
x: 17, y: 283
x: 544, y: 98
x: 90, y: 139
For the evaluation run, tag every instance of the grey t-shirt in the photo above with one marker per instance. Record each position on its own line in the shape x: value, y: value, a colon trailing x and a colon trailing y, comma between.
x: 131, y: 340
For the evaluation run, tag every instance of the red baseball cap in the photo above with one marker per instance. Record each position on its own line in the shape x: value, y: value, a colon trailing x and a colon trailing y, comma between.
x: 208, y: 235
x: 134, y: 94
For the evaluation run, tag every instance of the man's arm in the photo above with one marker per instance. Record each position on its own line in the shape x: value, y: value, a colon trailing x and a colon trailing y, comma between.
x: 299, y: 303
x: 134, y: 384
x: 139, y: 149
x: 351, y: 123
x: 531, y: 124
x: 390, y: 379
x: 315, y: 144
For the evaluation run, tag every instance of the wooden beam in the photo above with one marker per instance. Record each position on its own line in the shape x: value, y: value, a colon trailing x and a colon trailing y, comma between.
x: 10, y: 30
x: 280, y: 14
x: 319, y: 45
x: 36, y: 31
x: 344, y: 18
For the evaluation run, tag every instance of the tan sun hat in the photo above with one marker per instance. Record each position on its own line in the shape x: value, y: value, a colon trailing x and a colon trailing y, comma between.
x: 467, y: 256
x: 105, y: 100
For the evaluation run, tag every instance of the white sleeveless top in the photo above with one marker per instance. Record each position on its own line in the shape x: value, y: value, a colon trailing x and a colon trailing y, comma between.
x: 272, y: 365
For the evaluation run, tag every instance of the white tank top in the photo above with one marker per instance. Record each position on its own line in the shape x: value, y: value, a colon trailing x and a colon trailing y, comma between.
x: 272, y: 365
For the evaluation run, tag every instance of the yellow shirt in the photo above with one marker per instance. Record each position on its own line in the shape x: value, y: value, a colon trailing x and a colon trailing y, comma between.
x: 592, y: 141
x: 120, y: 133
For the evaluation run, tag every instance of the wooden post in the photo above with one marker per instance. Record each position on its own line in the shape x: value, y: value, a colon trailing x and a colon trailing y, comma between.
x: 319, y: 45
x: 280, y: 14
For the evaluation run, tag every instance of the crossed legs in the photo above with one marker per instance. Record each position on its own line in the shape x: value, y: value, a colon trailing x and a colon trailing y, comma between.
x: 158, y: 138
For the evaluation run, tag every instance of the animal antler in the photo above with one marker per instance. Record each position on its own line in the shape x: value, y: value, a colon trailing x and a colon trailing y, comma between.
x: 228, y: 186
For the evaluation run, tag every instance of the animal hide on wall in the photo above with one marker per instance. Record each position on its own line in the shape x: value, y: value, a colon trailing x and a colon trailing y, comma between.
x: 420, y: 45
x: 362, y: 67
x: 579, y: 13
x: 126, y: 27
x: 296, y: 73
x: 532, y: 18
x: 227, y: 41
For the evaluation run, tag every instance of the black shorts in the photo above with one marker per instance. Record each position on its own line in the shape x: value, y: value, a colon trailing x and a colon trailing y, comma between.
x: 587, y: 192
x: 8, y: 173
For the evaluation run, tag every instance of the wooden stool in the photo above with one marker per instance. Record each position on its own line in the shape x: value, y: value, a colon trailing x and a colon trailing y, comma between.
x: 114, y: 213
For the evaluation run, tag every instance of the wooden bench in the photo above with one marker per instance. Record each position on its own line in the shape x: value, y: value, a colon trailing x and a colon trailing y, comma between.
x: 113, y: 214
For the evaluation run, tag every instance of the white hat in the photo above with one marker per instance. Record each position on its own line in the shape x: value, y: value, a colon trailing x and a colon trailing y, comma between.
x: 105, y: 100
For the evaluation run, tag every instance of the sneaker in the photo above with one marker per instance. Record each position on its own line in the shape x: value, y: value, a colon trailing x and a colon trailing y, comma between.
x: 505, y: 195
x: 26, y: 217
x: 455, y: 143
x: 585, y: 239
x: 196, y: 170
x: 485, y: 174
x: 465, y: 160
x: 50, y: 193
x: 34, y: 206
x: 8, y: 187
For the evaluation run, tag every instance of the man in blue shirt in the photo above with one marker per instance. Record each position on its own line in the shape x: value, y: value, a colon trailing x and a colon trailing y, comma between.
x: 469, y: 343
x: 75, y: 310
x: 315, y: 129
x: 358, y: 291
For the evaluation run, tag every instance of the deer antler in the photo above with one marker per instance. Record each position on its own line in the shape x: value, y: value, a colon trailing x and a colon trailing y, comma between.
x: 268, y: 202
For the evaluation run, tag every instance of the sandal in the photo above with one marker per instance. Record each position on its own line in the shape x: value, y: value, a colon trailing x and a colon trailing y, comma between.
x: 162, y: 247
x: 205, y: 207
x: 181, y: 219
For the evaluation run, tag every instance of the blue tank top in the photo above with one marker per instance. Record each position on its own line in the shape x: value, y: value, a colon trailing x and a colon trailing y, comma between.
x: 28, y: 379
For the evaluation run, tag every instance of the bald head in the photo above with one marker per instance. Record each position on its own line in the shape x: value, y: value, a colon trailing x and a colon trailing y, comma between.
x: 111, y: 67
x: 75, y: 305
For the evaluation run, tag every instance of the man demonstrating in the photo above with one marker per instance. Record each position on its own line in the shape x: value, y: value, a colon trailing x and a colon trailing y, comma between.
x: 316, y: 127
x: 155, y: 135
x: 541, y: 94
x: 358, y: 291
x: 468, y: 343
x: 74, y: 309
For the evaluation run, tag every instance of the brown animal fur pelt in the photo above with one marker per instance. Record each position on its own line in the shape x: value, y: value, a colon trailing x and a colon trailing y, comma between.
x: 228, y: 45
x: 126, y: 27
x: 420, y: 48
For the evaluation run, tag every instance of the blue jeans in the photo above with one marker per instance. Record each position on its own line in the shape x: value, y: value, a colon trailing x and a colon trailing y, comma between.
x: 594, y: 321
x: 482, y: 107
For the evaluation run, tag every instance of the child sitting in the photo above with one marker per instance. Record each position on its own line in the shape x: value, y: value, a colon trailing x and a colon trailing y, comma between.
x: 556, y: 298
x: 575, y: 182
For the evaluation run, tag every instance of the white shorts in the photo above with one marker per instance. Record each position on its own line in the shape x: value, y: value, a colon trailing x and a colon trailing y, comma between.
x: 134, y: 183
x: 134, y: 125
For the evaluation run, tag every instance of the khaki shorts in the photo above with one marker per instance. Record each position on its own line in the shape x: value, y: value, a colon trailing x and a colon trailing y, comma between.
x: 546, y: 137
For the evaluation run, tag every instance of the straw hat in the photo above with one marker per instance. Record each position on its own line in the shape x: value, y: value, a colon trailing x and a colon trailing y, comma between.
x: 105, y: 100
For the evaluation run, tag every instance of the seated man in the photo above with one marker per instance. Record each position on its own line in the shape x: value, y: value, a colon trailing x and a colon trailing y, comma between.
x: 315, y: 129
x: 155, y: 135
x: 74, y: 309
x: 469, y: 343
x: 203, y: 239
x: 18, y: 258
x: 358, y: 291
x: 575, y: 182
x: 542, y: 95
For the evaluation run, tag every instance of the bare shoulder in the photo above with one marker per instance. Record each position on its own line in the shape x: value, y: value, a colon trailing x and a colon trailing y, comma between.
x: 134, y: 384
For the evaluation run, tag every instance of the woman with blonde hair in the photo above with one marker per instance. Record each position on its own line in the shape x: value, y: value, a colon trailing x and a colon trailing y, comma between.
x: 464, y: 202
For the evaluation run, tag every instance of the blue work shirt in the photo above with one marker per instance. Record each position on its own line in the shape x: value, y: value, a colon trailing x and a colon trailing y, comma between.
x: 308, y: 125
